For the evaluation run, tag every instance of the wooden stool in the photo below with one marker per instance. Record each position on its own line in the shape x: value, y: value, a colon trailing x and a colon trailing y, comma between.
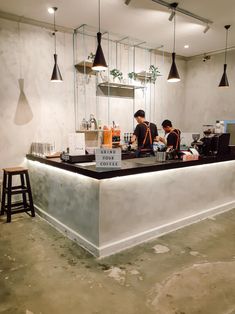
x: 8, y: 190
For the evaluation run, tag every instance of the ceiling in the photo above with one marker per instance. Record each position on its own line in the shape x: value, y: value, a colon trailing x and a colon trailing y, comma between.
x: 142, y: 19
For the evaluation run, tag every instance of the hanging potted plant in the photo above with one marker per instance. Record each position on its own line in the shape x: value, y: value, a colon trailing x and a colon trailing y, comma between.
x: 116, y: 74
x: 91, y: 57
x: 154, y: 73
x: 132, y: 76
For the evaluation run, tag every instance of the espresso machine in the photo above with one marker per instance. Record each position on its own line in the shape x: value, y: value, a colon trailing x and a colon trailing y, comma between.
x: 196, y: 143
x: 214, y: 144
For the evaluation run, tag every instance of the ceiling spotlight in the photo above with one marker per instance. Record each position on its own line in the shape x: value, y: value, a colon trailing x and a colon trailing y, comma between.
x: 173, y: 7
x: 206, y: 29
x: 186, y: 46
x: 206, y: 58
x: 52, y: 10
x: 171, y: 16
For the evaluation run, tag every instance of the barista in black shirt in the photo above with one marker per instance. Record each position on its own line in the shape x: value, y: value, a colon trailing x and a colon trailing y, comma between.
x: 172, y: 138
x: 145, y: 132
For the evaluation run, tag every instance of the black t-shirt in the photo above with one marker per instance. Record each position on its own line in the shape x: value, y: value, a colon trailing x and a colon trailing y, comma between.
x: 140, y: 132
x: 173, y: 139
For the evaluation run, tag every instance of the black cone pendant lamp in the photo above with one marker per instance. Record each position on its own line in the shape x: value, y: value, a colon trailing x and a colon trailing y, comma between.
x: 173, y: 75
x: 99, y: 63
x: 224, y: 79
x: 56, y: 75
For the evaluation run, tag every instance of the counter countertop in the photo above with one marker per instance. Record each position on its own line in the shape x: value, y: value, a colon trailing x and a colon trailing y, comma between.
x: 129, y: 166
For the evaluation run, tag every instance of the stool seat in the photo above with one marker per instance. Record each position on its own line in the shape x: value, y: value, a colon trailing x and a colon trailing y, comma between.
x: 15, y: 170
x: 24, y: 189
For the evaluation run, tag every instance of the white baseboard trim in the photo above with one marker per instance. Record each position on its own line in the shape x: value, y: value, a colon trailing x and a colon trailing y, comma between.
x: 125, y: 243
x: 68, y: 232
x: 117, y: 246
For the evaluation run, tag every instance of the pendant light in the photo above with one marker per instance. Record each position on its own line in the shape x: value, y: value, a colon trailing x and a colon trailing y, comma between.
x: 99, y: 63
x: 224, y: 79
x: 173, y: 75
x: 56, y: 75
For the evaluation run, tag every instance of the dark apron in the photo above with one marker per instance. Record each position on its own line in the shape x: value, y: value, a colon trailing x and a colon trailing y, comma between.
x: 146, y: 152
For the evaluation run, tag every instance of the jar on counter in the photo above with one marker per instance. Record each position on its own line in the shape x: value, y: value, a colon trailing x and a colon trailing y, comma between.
x: 218, y: 127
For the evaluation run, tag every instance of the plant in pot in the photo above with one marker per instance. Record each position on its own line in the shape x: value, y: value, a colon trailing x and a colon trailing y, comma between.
x: 91, y: 57
x: 154, y: 73
x: 132, y: 76
x: 116, y: 74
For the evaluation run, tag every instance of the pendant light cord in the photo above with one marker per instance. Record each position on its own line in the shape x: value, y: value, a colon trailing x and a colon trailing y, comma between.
x: 174, y: 30
x: 99, y: 15
x: 54, y: 32
x: 226, y: 46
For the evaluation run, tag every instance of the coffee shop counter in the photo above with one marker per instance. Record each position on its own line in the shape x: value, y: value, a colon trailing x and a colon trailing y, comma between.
x: 106, y: 211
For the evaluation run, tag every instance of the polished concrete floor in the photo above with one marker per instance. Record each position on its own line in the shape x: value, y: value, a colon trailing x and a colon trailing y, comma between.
x: 188, y: 271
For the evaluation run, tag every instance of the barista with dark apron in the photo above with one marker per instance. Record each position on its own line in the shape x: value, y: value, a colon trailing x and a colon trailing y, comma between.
x: 171, y: 139
x: 145, y: 133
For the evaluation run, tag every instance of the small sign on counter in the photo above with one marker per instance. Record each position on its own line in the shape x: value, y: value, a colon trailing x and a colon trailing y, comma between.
x: 77, y: 144
x: 108, y: 158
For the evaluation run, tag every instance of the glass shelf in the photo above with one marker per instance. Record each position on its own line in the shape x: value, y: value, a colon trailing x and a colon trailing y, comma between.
x: 85, y: 67
x: 120, y: 85
x: 144, y: 76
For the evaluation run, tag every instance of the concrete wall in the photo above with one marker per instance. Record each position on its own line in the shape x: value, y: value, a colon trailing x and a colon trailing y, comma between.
x: 34, y: 109
x: 204, y: 101
x: 41, y: 111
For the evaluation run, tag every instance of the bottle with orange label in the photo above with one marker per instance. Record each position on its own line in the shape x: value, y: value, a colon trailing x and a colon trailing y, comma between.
x: 116, y: 135
x: 107, y: 139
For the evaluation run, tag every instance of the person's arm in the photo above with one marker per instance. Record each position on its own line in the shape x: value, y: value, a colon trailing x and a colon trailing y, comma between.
x: 161, y: 139
x: 155, y: 138
x: 133, y: 138
x: 135, y: 134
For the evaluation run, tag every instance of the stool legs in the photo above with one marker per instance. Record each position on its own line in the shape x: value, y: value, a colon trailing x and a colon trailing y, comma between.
x: 4, y: 186
x: 23, y: 189
x: 30, y: 194
x: 23, y: 193
x: 9, y: 186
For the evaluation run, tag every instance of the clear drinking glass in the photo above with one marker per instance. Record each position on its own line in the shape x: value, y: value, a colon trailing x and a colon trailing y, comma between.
x: 161, y: 156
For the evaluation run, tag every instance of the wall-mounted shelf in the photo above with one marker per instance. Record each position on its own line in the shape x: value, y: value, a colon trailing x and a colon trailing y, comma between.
x: 144, y: 76
x: 85, y: 67
x: 93, y: 138
x: 117, y: 89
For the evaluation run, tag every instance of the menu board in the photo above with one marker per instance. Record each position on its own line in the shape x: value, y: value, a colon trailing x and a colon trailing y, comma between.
x: 108, y: 158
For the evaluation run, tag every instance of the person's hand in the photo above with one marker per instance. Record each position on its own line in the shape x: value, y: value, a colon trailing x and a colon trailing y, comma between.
x: 162, y: 139
x: 157, y: 139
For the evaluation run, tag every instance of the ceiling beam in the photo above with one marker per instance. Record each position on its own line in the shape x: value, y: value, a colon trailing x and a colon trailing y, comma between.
x: 183, y: 11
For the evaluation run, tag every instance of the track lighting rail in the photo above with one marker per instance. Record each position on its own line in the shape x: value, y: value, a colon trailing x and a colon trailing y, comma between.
x: 183, y: 11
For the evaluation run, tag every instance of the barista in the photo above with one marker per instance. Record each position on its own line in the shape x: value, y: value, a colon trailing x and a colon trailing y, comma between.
x: 145, y: 133
x: 172, y: 136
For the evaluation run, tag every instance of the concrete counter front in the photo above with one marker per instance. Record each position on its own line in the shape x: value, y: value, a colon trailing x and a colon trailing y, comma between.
x: 122, y: 208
